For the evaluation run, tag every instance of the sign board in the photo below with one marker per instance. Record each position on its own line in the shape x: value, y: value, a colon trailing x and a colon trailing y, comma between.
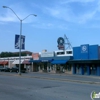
x: 84, y: 48
x: 47, y: 54
x: 35, y: 56
x: 17, y: 42
x: 61, y: 43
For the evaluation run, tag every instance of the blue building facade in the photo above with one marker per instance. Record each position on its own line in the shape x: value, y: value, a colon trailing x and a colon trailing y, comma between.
x: 86, y: 60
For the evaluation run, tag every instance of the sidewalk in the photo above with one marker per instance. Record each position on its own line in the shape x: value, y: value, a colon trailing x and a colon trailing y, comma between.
x: 65, y: 74
x: 58, y: 77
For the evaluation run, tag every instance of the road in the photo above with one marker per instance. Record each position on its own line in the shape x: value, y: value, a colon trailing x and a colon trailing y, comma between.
x: 29, y: 88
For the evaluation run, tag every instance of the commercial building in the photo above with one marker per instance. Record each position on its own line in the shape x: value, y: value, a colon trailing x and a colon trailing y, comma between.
x: 82, y: 60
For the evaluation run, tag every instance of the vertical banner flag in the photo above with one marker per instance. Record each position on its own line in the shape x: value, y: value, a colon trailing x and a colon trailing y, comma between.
x: 17, y: 42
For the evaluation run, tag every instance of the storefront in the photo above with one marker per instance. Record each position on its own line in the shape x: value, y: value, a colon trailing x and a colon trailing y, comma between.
x: 60, y: 65
x: 86, y: 60
x: 46, y: 64
x: 46, y: 59
x: 86, y: 67
x: 56, y: 64
x: 35, y: 62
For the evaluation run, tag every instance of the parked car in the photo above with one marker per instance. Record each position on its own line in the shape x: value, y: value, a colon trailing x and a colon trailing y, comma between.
x: 16, y: 69
x: 2, y: 68
x: 6, y: 69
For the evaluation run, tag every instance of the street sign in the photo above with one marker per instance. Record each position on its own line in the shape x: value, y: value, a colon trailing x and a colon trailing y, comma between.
x: 17, y: 42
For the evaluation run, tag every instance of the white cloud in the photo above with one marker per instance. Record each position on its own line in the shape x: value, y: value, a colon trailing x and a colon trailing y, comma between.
x: 58, y: 12
x: 66, y: 13
x: 87, y: 16
x: 81, y: 1
x: 50, y: 26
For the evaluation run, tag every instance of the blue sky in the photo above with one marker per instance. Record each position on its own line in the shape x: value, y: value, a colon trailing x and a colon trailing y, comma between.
x: 78, y: 19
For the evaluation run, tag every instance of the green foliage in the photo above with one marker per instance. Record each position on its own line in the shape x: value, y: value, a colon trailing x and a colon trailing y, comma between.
x: 11, y: 54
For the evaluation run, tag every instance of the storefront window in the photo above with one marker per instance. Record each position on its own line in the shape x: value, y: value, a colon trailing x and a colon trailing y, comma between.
x: 68, y: 67
x: 52, y: 67
x: 93, y: 70
x: 78, y: 69
x: 40, y: 67
x: 85, y: 69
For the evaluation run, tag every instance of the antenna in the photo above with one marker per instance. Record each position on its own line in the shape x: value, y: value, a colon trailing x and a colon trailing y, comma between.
x: 67, y: 43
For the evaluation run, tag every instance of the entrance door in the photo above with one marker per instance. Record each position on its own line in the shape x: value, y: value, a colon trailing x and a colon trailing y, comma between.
x: 78, y: 69
x: 93, y: 70
x: 85, y: 69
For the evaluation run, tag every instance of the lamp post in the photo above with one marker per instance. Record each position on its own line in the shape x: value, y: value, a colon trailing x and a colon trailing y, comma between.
x: 21, y: 20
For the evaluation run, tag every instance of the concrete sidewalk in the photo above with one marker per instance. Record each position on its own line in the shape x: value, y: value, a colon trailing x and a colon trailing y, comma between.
x: 58, y: 77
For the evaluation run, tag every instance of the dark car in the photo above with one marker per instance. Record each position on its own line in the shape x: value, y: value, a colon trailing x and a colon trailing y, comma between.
x: 2, y: 68
x: 6, y: 69
x: 14, y: 69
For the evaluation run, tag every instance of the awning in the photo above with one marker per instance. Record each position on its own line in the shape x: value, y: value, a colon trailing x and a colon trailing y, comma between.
x: 46, y: 59
x: 17, y: 62
x: 1, y: 62
x: 58, y: 61
x: 26, y: 62
x: 35, y: 61
x: 5, y: 62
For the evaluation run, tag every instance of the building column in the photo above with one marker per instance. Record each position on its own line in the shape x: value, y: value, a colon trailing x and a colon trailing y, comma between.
x: 47, y: 69
x: 32, y: 67
x: 88, y: 70
x: 42, y: 67
x: 38, y: 68
x: 55, y: 68
x: 82, y: 71
x: 50, y: 68
x: 74, y: 69
x: 98, y: 70
x: 9, y: 63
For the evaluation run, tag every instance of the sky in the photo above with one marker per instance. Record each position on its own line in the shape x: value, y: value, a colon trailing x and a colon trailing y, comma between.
x: 79, y: 20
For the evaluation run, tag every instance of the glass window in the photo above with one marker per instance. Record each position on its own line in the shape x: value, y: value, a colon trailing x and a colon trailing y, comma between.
x: 69, y: 52
x: 68, y: 68
x: 60, y: 53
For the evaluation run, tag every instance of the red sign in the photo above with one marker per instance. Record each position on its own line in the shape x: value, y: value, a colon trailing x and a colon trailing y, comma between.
x: 35, y: 56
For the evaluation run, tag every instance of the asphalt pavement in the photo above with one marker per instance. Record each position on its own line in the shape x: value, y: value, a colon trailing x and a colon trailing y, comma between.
x: 13, y: 87
x: 61, y: 77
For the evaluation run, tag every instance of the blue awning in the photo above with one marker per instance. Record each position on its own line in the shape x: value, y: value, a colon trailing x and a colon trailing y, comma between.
x: 46, y: 60
x: 58, y: 61
x: 35, y: 61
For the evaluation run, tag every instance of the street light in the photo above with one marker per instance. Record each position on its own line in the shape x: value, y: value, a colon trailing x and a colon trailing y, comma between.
x: 21, y: 20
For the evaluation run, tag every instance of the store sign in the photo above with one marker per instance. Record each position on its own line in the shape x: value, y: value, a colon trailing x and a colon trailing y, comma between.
x: 84, y: 48
x: 61, y: 43
x: 47, y: 54
x: 35, y: 56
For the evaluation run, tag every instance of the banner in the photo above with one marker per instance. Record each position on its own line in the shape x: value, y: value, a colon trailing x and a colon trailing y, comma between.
x: 17, y: 42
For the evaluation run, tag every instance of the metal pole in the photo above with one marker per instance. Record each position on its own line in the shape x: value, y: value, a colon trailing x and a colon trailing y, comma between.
x: 20, y: 44
x: 20, y: 47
